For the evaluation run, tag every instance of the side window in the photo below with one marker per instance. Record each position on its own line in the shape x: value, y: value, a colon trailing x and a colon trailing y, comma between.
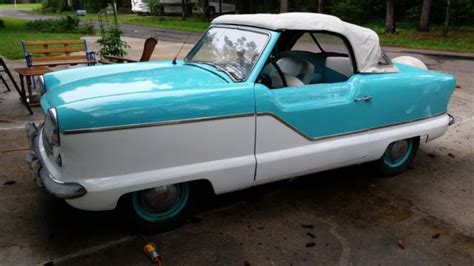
x: 331, y: 43
x: 306, y: 43
x: 338, y: 64
x: 314, y: 58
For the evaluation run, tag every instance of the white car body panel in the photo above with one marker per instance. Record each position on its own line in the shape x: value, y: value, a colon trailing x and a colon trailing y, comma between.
x: 159, y: 155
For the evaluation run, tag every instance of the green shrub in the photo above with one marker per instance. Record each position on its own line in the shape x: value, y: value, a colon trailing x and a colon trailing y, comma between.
x: 110, y: 42
x: 2, y: 25
x: 60, y: 25
x: 88, y: 27
x: 155, y: 7
x: 56, y: 6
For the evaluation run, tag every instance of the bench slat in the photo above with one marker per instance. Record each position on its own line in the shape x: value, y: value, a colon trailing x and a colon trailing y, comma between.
x: 66, y: 63
x: 56, y: 50
x: 58, y: 58
x: 31, y: 43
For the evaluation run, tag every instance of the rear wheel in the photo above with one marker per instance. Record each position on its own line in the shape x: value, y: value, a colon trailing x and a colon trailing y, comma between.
x: 159, y: 209
x: 398, y: 156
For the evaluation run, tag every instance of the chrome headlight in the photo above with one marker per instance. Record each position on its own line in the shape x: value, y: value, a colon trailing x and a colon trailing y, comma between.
x: 50, y: 130
x: 39, y: 85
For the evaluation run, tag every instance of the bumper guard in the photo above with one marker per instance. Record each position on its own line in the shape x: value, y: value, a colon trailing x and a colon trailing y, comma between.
x: 451, y: 120
x: 63, y: 190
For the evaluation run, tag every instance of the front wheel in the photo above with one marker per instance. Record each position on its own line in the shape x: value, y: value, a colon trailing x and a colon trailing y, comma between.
x: 158, y: 209
x: 398, y: 156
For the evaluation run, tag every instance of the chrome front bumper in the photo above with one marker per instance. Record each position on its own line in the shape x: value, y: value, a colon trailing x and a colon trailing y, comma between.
x: 63, y: 190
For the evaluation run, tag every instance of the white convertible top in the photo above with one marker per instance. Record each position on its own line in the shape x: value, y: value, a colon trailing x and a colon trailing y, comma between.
x: 364, y: 41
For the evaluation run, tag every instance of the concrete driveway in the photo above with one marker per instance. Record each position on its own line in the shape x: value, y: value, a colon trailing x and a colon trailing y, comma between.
x: 346, y: 216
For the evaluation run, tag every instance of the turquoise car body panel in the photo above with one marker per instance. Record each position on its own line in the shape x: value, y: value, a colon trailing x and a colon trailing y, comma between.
x: 328, y: 109
x: 154, y: 92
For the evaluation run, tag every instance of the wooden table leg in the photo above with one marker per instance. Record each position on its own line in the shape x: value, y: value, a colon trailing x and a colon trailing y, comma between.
x: 23, y: 94
x: 28, y: 87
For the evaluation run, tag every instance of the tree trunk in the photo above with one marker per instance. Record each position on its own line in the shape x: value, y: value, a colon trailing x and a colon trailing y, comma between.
x: 283, y: 6
x: 321, y: 6
x: 390, y: 16
x: 205, y: 9
x: 183, y: 8
x: 446, y: 20
x: 241, y: 6
x: 266, y: 5
x: 424, y: 24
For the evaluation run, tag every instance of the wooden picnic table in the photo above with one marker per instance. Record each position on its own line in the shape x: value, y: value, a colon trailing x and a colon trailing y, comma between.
x: 30, y: 73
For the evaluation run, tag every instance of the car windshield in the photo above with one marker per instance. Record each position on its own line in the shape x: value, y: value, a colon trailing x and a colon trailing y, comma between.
x: 230, y: 50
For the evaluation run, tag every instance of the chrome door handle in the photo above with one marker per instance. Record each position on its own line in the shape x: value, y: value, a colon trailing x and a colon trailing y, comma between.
x: 363, y: 99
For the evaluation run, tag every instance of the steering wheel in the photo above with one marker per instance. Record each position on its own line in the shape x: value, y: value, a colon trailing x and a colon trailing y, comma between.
x: 266, y: 78
x: 282, y: 76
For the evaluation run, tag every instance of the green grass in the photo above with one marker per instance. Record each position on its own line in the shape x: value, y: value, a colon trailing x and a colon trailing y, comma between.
x: 459, y: 39
x: 22, y: 6
x: 15, y: 30
x: 190, y: 24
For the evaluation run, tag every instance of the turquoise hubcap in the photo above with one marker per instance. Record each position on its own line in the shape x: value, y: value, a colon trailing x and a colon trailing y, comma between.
x: 398, y: 153
x: 160, y: 203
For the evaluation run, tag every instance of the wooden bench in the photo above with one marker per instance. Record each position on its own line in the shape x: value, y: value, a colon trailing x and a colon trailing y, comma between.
x: 56, y: 53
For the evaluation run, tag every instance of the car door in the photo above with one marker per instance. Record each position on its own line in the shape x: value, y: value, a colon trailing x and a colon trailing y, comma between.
x: 310, y: 127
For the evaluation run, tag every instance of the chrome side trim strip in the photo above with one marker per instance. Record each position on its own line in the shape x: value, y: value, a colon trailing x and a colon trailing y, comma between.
x: 155, y: 124
x: 211, y: 118
x: 303, y: 134
x: 345, y: 133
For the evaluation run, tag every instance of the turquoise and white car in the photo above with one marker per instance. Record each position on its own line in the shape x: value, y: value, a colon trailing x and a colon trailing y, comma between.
x: 259, y: 98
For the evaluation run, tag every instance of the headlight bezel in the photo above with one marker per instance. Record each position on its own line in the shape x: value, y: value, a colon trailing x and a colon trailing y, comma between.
x: 40, y: 87
x: 51, y: 131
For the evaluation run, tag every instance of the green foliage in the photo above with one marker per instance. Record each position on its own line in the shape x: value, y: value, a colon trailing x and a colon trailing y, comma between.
x: 15, y: 30
x: 88, y: 27
x: 56, y: 5
x: 61, y: 24
x: 2, y: 24
x: 111, y: 43
x: 155, y: 7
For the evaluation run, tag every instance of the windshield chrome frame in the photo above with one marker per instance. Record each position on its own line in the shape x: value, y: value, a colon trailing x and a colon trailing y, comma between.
x: 246, y: 28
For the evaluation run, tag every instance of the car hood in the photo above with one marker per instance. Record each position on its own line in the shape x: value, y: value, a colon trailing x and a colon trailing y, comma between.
x: 73, y: 85
x: 140, y: 94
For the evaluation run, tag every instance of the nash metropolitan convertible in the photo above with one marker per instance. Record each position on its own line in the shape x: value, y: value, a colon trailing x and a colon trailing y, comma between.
x: 258, y: 99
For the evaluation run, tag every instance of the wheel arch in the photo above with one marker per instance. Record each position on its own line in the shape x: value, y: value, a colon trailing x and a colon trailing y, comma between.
x: 204, y: 185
